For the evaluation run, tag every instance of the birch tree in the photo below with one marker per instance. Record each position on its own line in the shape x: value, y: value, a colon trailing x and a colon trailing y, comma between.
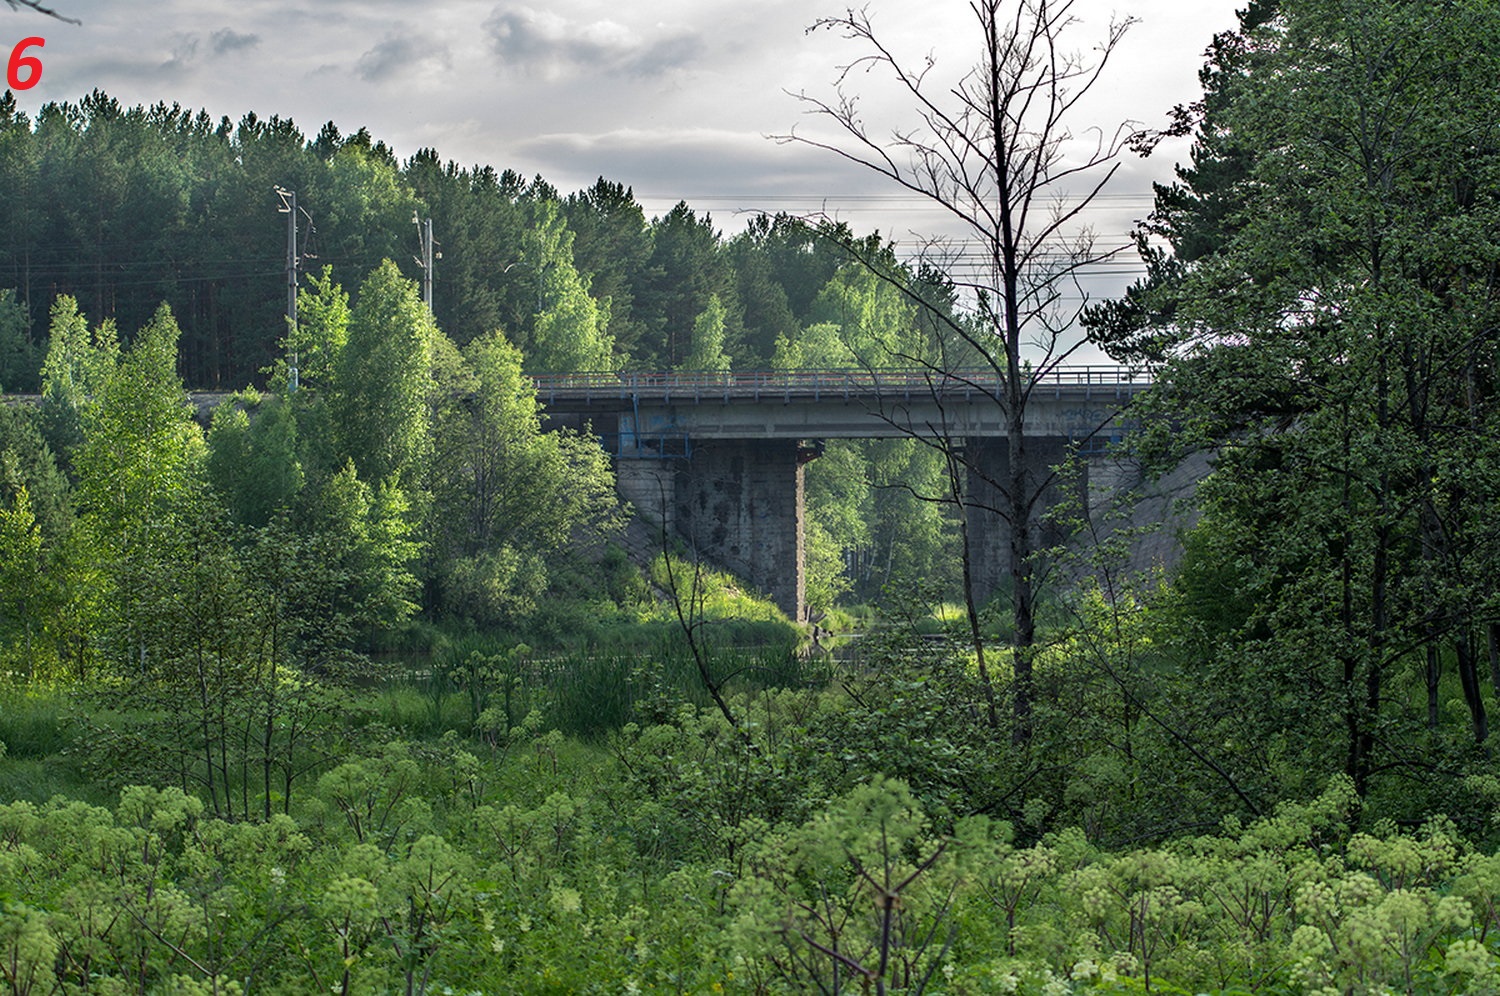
x: 996, y: 152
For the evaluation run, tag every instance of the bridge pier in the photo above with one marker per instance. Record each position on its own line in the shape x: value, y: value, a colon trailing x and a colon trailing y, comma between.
x: 988, y: 461
x: 739, y: 505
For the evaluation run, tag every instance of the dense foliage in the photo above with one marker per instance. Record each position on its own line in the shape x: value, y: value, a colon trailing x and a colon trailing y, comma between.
x: 1326, y: 318
x: 124, y: 207
x: 1267, y: 771
x: 686, y: 855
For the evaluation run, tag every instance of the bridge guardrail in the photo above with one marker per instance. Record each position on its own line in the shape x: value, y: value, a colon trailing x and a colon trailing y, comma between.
x: 757, y: 385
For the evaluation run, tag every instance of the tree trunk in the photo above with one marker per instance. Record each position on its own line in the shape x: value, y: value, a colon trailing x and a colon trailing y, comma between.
x: 1434, y: 678
x: 1468, y: 675
x: 1492, y: 632
x: 1023, y: 596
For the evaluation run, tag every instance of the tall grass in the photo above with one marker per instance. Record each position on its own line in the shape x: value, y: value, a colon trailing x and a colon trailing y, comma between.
x: 34, y: 722
x: 579, y: 693
x: 36, y: 732
x: 593, y: 694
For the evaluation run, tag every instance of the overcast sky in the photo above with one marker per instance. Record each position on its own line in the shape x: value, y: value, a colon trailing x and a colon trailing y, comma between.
x: 674, y: 98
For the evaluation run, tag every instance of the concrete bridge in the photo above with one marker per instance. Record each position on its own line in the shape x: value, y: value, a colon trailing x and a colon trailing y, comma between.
x: 718, y: 458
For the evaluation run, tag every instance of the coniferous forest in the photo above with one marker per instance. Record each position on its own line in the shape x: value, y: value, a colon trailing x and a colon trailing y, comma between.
x: 364, y: 680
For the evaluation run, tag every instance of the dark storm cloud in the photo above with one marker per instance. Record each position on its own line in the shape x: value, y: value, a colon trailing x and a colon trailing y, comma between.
x: 545, y: 42
x: 227, y: 40
x: 397, y: 55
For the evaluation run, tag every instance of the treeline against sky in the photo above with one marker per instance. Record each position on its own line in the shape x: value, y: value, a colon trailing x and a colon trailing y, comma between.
x: 119, y: 210
x: 123, y: 208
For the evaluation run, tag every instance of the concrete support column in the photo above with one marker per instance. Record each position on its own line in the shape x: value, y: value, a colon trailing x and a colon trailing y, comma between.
x: 649, y: 484
x: 988, y: 498
x: 739, y: 505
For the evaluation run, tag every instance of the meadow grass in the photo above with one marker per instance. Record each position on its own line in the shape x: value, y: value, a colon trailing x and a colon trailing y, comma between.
x: 37, y: 730
x: 34, y: 721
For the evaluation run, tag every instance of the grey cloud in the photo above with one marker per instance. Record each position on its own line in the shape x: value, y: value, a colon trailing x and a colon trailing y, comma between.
x: 184, y: 51
x: 541, y: 41
x: 663, y: 55
x: 227, y: 40
x: 687, y: 163
x: 396, y: 55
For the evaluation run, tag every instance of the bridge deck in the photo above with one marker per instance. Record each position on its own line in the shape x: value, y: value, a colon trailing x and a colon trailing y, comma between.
x: 607, y: 391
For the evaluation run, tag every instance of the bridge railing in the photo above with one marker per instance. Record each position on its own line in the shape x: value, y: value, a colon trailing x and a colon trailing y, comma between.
x: 757, y: 384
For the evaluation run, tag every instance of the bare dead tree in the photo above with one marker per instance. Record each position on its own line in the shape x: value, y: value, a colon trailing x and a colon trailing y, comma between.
x: 32, y: 4
x: 997, y: 154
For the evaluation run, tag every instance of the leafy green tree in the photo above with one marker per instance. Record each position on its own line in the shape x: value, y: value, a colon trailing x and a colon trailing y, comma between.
x: 571, y: 331
x: 818, y: 347
x: 479, y: 221
x: 382, y: 377
x: 140, y: 472
x: 20, y: 215
x: 869, y: 503
x: 27, y: 462
x: 365, y: 532
x: 1331, y: 342
x: 368, y: 207
x: 137, y: 164
x: 612, y: 245
x: 239, y: 324
x: 36, y: 516
x: 876, y: 317
x: 780, y: 264
x: 837, y: 489
x: 823, y: 558
x: 911, y: 535
x: 860, y: 320
x: 508, y: 494
x: 1197, y: 213
x: 767, y: 314
x: 685, y: 268
x: 20, y: 359
x: 254, y: 463
x: 322, y: 330
x: 77, y: 365
x: 141, y: 447
x: 27, y: 595
x: 707, y: 349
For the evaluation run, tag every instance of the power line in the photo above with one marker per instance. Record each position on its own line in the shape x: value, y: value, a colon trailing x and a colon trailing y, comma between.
x: 907, y: 198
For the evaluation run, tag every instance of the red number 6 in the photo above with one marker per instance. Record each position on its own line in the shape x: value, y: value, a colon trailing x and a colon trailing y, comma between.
x: 30, y: 63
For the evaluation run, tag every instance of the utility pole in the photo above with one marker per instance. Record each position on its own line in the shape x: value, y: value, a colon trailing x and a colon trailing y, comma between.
x: 289, y: 208
x: 424, y: 235
x: 293, y: 265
